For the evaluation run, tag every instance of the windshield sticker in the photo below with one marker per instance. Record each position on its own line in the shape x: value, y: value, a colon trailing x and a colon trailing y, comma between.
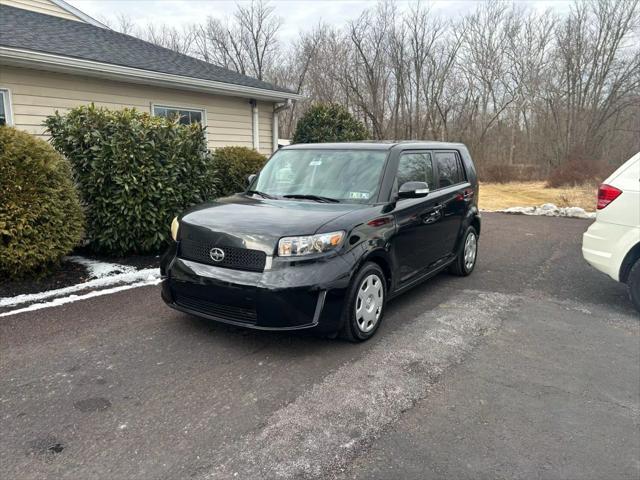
x: 359, y: 195
x: 314, y: 163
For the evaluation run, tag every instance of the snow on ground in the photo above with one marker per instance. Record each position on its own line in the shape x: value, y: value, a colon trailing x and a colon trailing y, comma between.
x: 130, y: 277
x: 98, y: 269
x: 551, y: 210
x: 74, y: 298
x: 102, y: 274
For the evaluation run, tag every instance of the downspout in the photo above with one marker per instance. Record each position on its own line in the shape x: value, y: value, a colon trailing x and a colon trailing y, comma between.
x: 277, y: 109
x: 254, y: 125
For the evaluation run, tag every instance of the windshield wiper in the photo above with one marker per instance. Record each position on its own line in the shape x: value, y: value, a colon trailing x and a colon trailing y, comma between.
x: 262, y: 194
x: 317, y: 198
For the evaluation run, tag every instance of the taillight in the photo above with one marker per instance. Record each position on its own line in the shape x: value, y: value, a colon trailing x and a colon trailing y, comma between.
x: 606, y: 195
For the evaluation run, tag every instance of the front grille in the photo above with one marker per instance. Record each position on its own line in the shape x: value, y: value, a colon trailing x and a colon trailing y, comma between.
x: 225, y: 312
x: 234, y: 257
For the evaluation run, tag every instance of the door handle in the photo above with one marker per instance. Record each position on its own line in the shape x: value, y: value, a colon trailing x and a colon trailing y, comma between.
x: 467, y: 194
x: 432, y: 216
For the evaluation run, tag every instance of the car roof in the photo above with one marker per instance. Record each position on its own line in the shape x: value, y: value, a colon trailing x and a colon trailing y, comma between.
x: 373, y: 145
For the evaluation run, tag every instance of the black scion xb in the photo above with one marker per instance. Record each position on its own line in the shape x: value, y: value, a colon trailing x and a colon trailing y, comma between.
x: 325, y: 235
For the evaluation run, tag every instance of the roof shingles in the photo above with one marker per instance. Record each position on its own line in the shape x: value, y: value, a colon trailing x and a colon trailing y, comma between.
x: 45, y: 33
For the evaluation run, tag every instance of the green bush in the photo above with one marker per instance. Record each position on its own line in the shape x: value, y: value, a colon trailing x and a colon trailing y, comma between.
x: 40, y: 215
x: 135, y: 172
x: 327, y: 122
x: 234, y: 165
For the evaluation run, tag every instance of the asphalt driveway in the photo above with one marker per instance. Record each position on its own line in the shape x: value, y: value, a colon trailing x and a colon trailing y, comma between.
x: 530, y: 368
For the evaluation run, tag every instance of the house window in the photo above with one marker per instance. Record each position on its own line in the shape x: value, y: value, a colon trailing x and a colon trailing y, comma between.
x: 5, y: 108
x: 185, y: 115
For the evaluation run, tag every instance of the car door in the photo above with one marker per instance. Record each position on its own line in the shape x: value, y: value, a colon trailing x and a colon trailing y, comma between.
x: 454, y: 195
x: 416, y: 244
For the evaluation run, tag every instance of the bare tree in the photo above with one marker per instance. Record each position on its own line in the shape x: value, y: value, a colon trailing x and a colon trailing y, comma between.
x: 598, y: 74
x: 181, y: 41
x: 246, y: 43
x: 518, y: 86
x: 121, y: 23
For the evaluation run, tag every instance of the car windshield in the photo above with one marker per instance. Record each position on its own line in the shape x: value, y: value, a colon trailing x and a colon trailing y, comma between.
x: 351, y: 176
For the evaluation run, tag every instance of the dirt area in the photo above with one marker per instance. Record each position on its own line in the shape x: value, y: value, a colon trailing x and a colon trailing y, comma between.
x: 70, y: 273
x: 498, y: 196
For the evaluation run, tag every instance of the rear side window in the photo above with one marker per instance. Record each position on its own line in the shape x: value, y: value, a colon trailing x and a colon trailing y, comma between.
x: 450, y: 171
x: 415, y: 167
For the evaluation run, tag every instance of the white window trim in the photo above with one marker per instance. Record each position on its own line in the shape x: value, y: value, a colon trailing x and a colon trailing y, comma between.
x: 78, y: 13
x: 8, y: 108
x: 180, y: 107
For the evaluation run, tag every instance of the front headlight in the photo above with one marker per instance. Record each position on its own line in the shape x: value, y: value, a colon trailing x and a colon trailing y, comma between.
x: 309, y: 244
x: 174, y: 229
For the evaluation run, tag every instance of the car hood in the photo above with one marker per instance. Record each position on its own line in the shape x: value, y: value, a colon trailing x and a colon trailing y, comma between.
x: 256, y: 223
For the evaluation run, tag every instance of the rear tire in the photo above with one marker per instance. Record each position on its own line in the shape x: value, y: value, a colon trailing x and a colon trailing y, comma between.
x: 633, y: 284
x: 364, y: 308
x: 465, y: 262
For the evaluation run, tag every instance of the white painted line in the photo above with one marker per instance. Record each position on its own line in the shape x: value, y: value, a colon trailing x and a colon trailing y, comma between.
x: 146, y: 274
x: 75, y: 298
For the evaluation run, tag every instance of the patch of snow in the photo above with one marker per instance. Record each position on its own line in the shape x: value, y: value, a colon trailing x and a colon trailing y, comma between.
x: 146, y: 274
x: 550, y: 210
x: 322, y: 430
x: 74, y: 298
x: 98, y: 269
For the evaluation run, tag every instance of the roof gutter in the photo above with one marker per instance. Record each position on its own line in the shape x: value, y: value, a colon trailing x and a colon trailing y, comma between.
x: 275, y: 134
x: 60, y: 63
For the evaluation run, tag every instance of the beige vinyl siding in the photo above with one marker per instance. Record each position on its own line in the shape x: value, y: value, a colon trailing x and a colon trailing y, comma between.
x: 41, y: 6
x: 36, y: 94
x: 265, y: 126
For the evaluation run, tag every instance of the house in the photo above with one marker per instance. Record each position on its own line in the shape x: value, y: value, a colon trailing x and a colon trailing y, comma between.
x: 54, y: 57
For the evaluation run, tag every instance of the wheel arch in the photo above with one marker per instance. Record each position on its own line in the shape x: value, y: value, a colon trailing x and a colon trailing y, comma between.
x: 475, y: 223
x: 629, y: 260
x: 472, y: 219
x: 382, y: 259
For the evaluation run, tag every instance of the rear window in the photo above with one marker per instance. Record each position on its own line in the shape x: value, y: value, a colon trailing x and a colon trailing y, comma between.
x: 450, y: 171
x: 415, y: 167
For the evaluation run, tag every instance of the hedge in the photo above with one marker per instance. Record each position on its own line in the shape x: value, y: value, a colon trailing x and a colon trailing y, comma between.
x: 41, y: 218
x: 328, y: 122
x: 135, y: 172
x: 234, y: 165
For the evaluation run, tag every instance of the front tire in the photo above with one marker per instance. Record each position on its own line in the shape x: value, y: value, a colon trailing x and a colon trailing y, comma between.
x: 633, y: 284
x: 465, y: 262
x: 364, y: 308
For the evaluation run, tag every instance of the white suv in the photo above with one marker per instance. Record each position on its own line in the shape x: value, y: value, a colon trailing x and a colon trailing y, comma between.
x: 612, y: 242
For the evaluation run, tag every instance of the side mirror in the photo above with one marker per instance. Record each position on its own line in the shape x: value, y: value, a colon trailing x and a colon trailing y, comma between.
x: 250, y: 179
x: 413, y: 190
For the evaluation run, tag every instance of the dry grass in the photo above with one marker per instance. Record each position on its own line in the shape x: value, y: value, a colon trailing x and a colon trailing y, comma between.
x: 498, y: 196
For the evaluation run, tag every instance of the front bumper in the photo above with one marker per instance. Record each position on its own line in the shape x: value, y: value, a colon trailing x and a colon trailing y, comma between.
x: 291, y: 295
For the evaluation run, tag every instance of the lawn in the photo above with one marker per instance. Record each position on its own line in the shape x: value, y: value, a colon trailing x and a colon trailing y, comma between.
x: 498, y: 196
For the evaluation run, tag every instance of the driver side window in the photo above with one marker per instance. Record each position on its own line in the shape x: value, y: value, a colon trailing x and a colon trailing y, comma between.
x: 415, y: 167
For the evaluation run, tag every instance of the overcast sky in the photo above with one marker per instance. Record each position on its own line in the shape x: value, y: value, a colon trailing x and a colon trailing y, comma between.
x: 298, y: 15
